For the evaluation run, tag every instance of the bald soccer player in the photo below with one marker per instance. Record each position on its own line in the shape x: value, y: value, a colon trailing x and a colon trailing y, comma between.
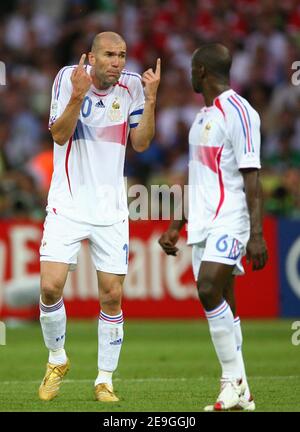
x: 94, y: 109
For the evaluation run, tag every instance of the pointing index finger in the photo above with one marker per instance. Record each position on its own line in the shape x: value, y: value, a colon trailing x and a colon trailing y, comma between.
x: 157, y: 70
x: 82, y: 60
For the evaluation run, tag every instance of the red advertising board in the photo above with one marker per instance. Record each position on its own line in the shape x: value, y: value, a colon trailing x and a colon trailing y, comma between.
x: 157, y: 286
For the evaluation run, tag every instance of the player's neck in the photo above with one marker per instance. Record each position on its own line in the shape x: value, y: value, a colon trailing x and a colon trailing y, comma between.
x: 97, y: 83
x: 211, y: 92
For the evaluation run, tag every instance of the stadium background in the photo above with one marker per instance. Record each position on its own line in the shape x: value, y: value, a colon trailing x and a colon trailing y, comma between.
x: 38, y: 37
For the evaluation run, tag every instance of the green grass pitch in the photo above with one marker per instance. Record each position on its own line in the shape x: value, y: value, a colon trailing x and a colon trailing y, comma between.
x: 164, y: 366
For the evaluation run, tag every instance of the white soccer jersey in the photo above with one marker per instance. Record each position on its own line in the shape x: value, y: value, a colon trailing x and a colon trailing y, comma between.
x: 223, y: 138
x: 88, y: 180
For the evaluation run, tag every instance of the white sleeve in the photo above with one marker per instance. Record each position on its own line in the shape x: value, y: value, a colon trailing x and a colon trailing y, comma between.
x: 61, y: 93
x: 137, y: 104
x: 244, y: 133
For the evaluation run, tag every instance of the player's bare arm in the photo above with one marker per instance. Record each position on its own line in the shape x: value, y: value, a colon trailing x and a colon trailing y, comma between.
x: 65, y: 125
x: 256, y: 246
x: 142, y: 135
x: 169, y: 238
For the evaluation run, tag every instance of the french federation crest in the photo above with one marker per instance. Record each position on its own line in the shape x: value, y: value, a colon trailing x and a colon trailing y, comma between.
x: 115, y: 111
x: 204, y: 136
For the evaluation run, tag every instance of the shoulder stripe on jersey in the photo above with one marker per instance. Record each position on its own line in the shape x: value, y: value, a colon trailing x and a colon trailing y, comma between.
x: 55, y: 84
x: 59, y: 79
x: 248, y: 116
x: 229, y: 100
x: 240, y: 116
x: 133, y: 125
x: 131, y: 74
x: 245, y: 124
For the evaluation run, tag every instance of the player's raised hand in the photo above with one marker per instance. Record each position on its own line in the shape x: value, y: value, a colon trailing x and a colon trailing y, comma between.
x: 151, y: 81
x: 168, y: 241
x: 80, y: 79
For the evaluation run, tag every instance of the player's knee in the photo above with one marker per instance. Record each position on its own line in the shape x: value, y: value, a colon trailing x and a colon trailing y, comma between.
x: 51, y: 291
x: 205, y: 290
x: 112, y: 295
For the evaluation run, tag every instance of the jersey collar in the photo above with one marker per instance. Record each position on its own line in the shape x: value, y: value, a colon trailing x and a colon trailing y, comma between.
x: 225, y: 93
x: 100, y: 92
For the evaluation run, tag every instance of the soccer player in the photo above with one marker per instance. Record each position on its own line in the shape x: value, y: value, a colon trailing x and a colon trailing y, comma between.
x: 94, y: 109
x: 224, y: 212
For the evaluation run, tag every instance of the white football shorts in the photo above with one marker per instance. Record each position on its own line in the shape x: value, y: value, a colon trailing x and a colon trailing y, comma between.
x: 109, y: 244
x: 219, y: 248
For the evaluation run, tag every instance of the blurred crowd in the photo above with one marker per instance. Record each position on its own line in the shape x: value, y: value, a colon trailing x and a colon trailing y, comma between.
x: 38, y: 37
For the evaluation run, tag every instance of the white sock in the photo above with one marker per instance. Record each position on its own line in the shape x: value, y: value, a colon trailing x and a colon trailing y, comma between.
x: 57, y: 357
x: 110, y: 338
x: 239, y: 342
x: 104, y: 377
x: 221, y: 328
x: 53, y: 322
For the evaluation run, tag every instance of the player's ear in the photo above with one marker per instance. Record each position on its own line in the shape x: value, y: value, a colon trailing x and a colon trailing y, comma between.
x: 202, y: 71
x: 92, y: 59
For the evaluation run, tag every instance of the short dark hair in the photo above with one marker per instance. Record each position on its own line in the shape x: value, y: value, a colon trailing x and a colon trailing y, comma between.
x: 216, y: 58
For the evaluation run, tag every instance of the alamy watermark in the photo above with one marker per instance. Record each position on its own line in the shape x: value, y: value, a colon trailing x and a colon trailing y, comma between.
x: 157, y: 202
x: 2, y: 333
x: 2, y: 73
x: 296, y: 75
x: 296, y: 334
